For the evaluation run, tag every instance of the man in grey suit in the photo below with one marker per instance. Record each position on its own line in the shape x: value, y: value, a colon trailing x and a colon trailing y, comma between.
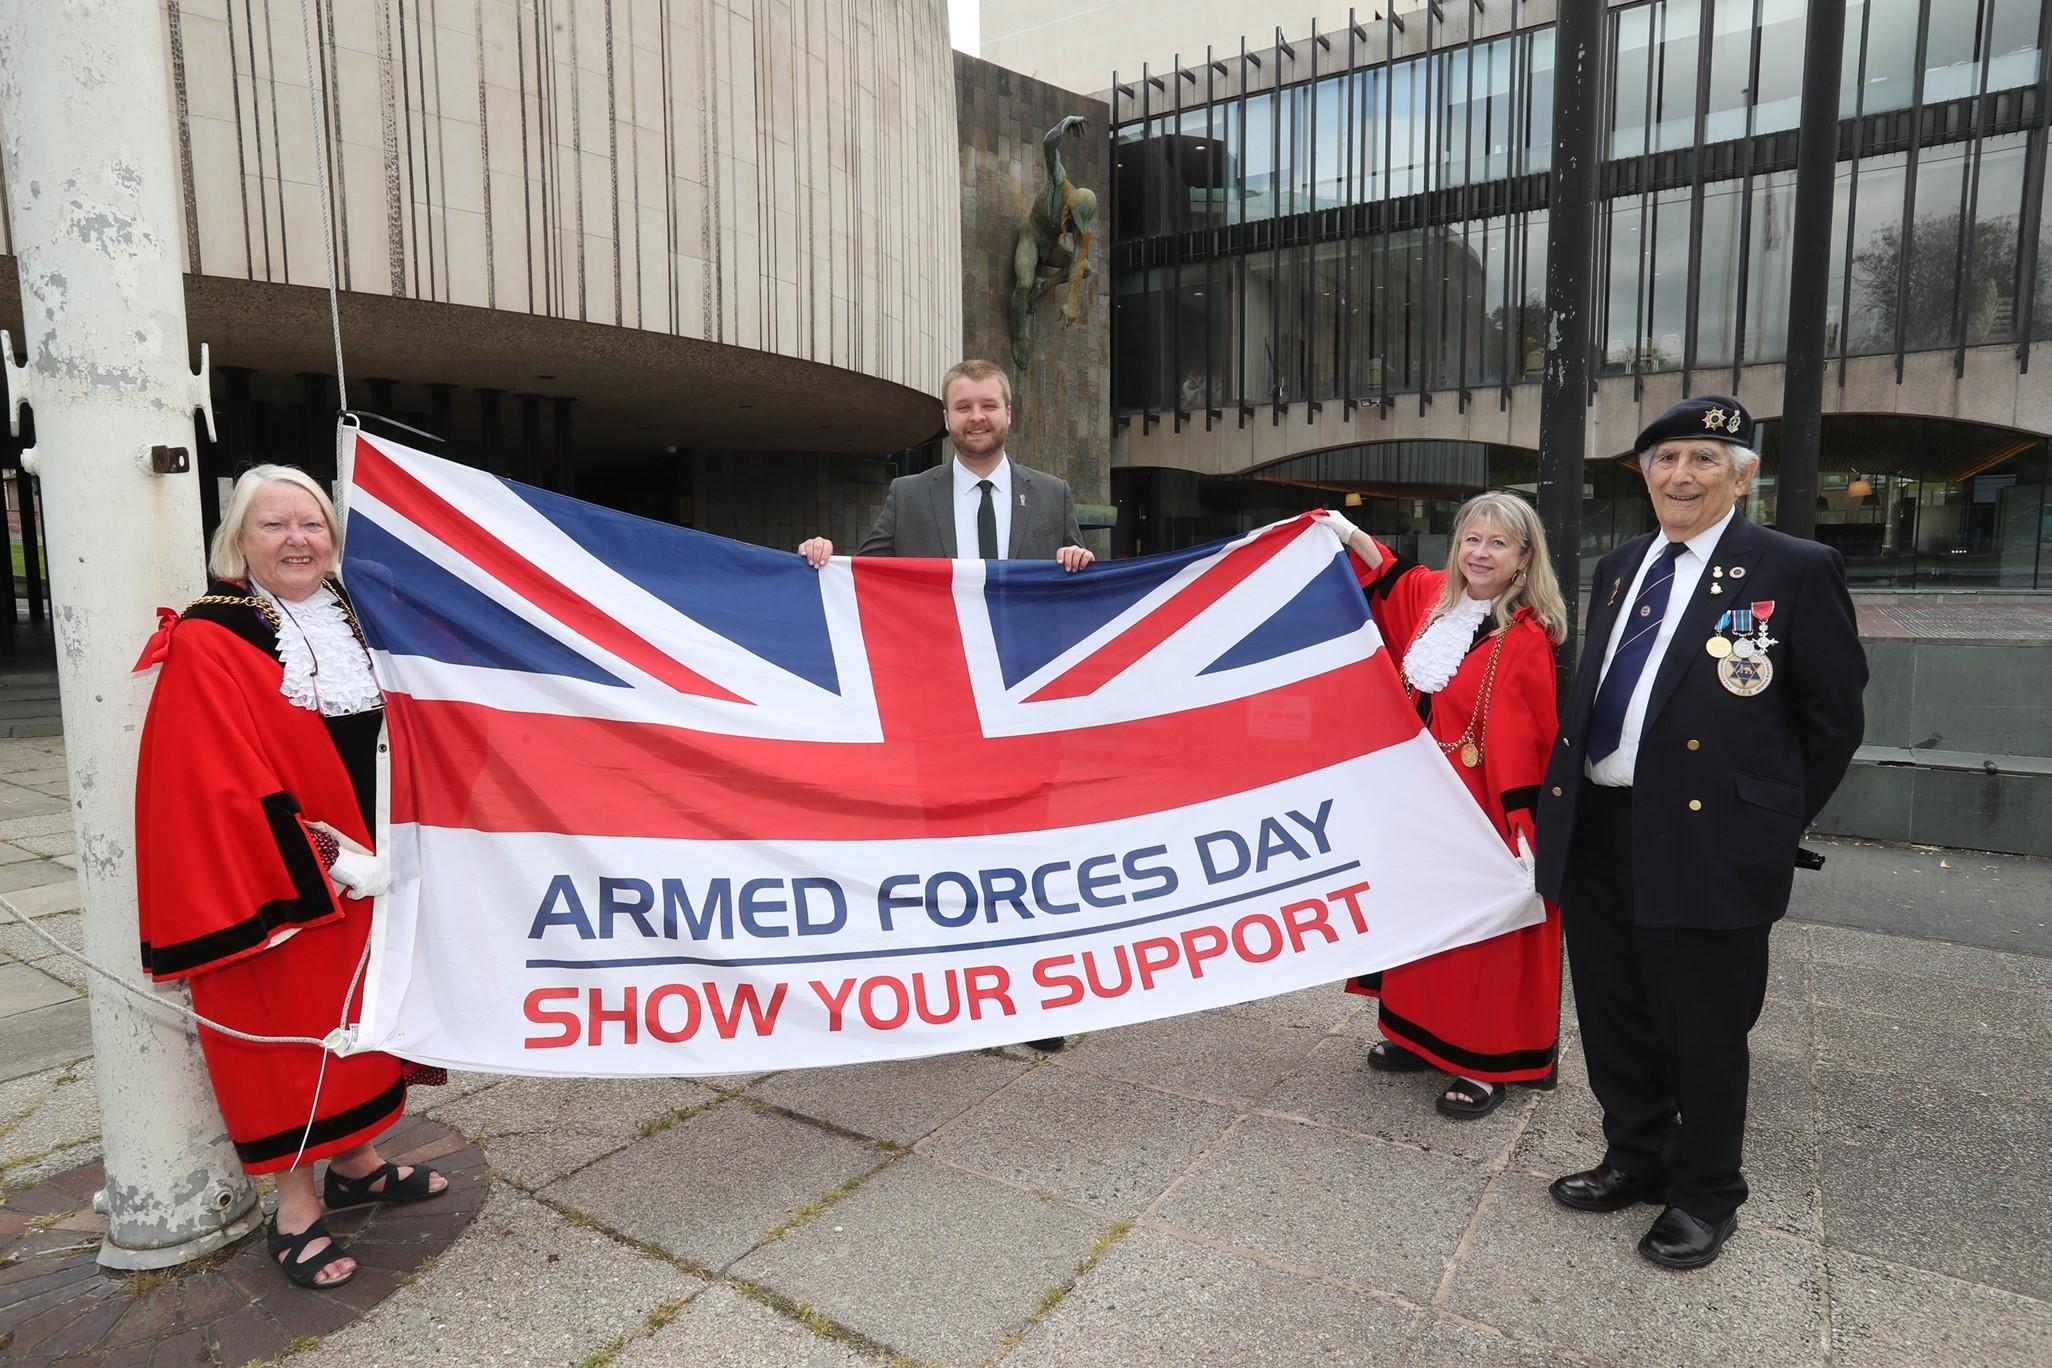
x: 977, y: 503
x: 980, y: 504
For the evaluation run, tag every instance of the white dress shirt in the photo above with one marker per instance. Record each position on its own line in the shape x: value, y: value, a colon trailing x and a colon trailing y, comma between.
x: 1615, y: 769
x: 968, y: 499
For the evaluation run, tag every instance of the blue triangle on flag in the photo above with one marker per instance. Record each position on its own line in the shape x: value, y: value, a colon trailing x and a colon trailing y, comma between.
x: 1044, y: 610
x: 1331, y: 605
x: 766, y: 602
x: 411, y: 606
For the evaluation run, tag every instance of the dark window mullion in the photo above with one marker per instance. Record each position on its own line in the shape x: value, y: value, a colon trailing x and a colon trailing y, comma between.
x: 1907, y: 242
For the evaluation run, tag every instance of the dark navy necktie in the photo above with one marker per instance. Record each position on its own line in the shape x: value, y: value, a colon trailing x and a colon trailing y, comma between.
x: 986, y: 524
x: 1642, y: 629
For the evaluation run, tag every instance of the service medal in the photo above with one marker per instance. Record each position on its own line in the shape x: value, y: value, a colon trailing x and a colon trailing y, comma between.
x: 1718, y: 647
x: 1745, y: 675
x: 1744, y: 648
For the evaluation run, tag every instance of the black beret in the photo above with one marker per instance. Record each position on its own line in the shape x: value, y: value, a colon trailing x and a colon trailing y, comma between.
x: 1715, y: 416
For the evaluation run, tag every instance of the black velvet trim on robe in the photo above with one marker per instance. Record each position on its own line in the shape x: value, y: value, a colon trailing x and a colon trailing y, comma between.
x: 310, y: 902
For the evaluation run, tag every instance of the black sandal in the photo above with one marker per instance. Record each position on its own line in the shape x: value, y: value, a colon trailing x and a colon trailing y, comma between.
x: 342, y: 1191
x: 1477, y: 1108
x: 287, y: 1252
x: 1384, y: 1057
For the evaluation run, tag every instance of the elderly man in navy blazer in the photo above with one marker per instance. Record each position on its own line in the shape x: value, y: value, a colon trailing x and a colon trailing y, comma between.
x: 981, y: 505
x: 1716, y: 707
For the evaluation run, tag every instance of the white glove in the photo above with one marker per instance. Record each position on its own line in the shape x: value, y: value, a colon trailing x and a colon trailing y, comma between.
x: 1341, y: 528
x: 356, y: 870
x: 1527, y: 861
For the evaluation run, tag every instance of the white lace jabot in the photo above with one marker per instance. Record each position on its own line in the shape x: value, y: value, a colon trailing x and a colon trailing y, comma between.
x: 326, y: 669
x: 1439, y: 650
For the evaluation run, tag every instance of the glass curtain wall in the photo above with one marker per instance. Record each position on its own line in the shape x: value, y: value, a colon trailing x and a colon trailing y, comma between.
x: 1351, y: 233
x: 1381, y: 230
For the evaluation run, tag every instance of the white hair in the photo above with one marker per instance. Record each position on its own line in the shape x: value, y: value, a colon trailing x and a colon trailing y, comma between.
x: 224, y: 554
x: 1743, y: 458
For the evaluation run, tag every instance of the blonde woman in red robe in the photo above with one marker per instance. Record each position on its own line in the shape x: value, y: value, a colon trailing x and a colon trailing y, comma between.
x: 255, y: 808
x: 1475, y: 644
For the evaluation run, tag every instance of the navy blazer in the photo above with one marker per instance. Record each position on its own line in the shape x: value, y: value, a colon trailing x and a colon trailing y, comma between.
x: 1724, y: 785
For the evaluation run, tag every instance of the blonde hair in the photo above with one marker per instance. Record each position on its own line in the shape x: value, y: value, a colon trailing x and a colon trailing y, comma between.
x: 976, y: 369
x: 1535, y: 588
x: 224, y: 556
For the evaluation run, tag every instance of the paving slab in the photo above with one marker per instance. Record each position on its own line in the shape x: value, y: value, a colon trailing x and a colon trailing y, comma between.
x: 27, y: 872
x: 59, y: 895
x: 932, y: 1261
x: 1111, y: 1144
x: 1927, y: 958
x: 1884, y: 1315
x: 521, y: 1286
x: 1156, y: 1298
x: 1320, y: 1009
x: 1335, y: 1086
x: 35, y: 1041
x: 22, y: 943
x: 900, y: 1100
x: 64, y: 1109
x: 17, y: 801
x: 1576, y: 1280
x: 1376, y: 1214
x: 710, y: 1188
x: 721, y: 1328
x: 1938, y: 1177
x: 1450, y: 1343
x: 618, y: 1107
x: 24, y: 988
x: 1965, y: 1004
x: 1231, y: 1059
x: 1894, y: 1047
x: 11, y: 854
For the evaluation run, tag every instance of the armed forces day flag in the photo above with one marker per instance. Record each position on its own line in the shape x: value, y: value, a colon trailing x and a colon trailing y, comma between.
x: 663, y: 803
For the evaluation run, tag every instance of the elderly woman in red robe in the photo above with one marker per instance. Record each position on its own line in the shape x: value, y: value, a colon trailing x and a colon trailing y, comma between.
x: 255, y: 814
x: 1474, y: 643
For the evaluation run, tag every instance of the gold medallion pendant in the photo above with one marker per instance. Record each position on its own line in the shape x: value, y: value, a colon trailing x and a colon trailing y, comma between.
x: 1471, y: 755
x: 1745, y: 675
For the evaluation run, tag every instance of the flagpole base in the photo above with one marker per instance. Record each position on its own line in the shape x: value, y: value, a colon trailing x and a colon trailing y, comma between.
x: 127, y: 1260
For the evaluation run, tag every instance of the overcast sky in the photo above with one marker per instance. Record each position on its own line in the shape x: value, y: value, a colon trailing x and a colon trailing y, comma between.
x: 964, y: 24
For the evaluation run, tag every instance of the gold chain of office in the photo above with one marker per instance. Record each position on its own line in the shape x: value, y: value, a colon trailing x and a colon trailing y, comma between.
x: 1470, y: 741
x: 269, y: 614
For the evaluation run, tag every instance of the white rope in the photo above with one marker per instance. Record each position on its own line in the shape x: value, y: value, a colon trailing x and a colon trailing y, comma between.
x: 332, y: 1043
x: 320, y: 123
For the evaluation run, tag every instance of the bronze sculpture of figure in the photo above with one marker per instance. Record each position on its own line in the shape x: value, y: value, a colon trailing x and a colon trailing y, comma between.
x: 1053, y: 245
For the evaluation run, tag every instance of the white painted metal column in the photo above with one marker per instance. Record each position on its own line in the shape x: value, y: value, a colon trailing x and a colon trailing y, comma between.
x: 85, y: 107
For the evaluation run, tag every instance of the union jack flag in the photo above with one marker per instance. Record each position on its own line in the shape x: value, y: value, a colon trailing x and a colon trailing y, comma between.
x: 555, y: 666
x: 691, y: 806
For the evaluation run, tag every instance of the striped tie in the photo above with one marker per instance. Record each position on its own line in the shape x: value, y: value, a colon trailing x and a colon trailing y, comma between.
x: 1642, y: 629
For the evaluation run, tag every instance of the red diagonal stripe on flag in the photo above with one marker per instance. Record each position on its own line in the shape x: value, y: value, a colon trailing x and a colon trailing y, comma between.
x: 1118, y: 654
x: 469, y: 766
x: 380, y: 477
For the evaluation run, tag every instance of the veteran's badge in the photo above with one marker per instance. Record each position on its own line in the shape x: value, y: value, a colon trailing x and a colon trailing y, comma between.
x: 1743, y: 667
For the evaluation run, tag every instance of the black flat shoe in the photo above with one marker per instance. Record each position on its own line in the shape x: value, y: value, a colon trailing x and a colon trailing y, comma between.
x: 1455, y: 1109
x: 341, y: 1191
x: 1384, y: 1057
x: 1049, y: 1045
x: 1679, y: 1240
x: 303, y: 1269
x: 1604, y: 1188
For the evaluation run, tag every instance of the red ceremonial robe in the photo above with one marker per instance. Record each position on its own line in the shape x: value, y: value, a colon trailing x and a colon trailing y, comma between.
x: 1488, y: 1011
x: 234, y: 898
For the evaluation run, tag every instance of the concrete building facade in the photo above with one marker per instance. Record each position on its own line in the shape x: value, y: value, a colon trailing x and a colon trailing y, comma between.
x: 603, y: 245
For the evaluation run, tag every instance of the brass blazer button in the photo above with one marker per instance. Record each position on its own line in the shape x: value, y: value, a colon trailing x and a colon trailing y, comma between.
x: 1695, y: 805
x: 1556, y: 792
x: 1695, y: 745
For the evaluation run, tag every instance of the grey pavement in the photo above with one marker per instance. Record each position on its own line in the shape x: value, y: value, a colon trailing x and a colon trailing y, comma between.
x: 1232, y: 1187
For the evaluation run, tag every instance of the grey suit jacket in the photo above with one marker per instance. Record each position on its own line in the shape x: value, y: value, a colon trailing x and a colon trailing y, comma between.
x: 918, y: 517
